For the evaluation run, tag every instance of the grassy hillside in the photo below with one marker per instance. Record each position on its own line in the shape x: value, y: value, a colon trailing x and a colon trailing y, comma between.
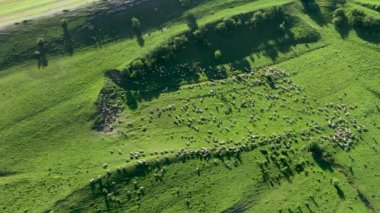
x: 16, y: 11
x: 51, y: 152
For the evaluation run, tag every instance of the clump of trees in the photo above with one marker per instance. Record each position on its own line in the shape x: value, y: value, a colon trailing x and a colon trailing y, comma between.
x: 153, y: 64
x: 158, y: 70
x: 141, y: 68
x: 252, y: 20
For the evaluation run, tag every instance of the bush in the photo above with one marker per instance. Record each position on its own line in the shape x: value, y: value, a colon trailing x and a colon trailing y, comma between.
x: 335, y: 182
x: 230, y: 23
x: 198, y: 34
x: 339, y: 13
x: 218, y: 55
x: 40, y: 42
x: 179, y: 41
x: 227, y: 24
x: 258, y: 18
x: 136, y: 24
x: 339, y: 18
x: 221, y: 27
x: 41, y: 57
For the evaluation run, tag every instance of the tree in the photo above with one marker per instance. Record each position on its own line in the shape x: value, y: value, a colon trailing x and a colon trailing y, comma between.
x: 41, y: 53
x: 230, y: 23
x: 136, y: 24
x: 218, y: 55
x: 258, y: 18
x: 192, y: 22
x: 221, y: 27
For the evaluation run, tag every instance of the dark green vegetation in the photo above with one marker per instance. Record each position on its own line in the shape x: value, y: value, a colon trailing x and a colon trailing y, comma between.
x: 190, y: 118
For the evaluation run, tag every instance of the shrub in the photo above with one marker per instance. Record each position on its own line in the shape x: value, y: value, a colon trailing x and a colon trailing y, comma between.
x: 316, y: 149
x: 230, y: 23
x: 339, y: 18
x: 221, y: 27
x: 337, y: 21
x: 41, y: 57
x: 40, y: 41
x: 218, y: 55
x: 198, y: 34
x: 137, y: 69
x: 257, y: 17
x: 335, y: 182
x: 136, y: 24
x: 179, y: 41
x: 339, y: 12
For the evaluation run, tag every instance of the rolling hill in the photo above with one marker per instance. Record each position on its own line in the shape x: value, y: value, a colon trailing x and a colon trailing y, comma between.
x: 191, y: 106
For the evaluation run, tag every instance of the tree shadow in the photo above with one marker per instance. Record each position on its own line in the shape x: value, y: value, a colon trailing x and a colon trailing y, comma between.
x: 109, y: 26
x: 373, y: 37
x: 312, y: 9
x: 242, y: 65
x: 68, y: 42
x: 140, y: 39
x: 366, y: 26
x: 340, y: 192
x: 131, y: 100
x: 322, y: 158
x: 216, y: 73
x: 344, y: 28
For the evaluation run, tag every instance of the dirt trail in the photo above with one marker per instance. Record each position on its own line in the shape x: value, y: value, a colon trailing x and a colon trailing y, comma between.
x: 53, y: 8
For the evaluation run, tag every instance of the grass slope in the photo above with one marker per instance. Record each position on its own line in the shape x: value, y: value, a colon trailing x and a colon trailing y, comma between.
x: 50, y: 150
x: 16, y: 11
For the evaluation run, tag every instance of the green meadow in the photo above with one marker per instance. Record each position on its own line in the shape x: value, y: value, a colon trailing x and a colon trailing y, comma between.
x: 217, y: 106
